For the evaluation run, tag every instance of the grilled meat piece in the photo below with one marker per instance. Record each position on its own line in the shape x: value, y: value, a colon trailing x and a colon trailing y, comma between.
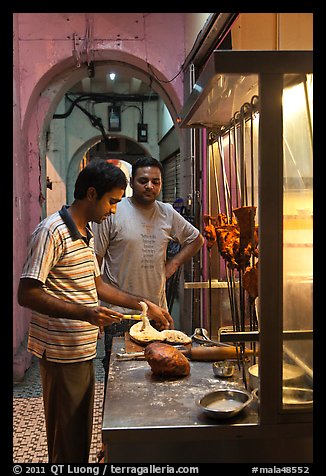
x: 210, y: 235
x: 228, y: 241
x: 222, y: 219
x: 250, y: 280
x: 209, y: 231
x: 246, y: 221
x: 237, y: 239
x: 255, y: 250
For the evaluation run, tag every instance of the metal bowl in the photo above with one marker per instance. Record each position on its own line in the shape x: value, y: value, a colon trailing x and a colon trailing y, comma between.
x: 293, y: 397
x: 223, y: 368
x: 224, y: 403
x: 291, y: 373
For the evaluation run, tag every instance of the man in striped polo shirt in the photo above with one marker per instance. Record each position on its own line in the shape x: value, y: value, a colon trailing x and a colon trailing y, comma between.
x: 61, y: 283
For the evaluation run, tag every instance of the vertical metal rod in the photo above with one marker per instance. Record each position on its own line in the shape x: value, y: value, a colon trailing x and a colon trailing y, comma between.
x: 230, y: 171
x: 243, y: 109
x: 231, y: 296
x: 224, y: 178
x: 231, y: 291
x: 210, y: 291
x: 237, y: 181
x: 209, y: 251
x: 242, y: 301
x: 251, y: 302
x: 216, y: 180
x: 227, y: 186
x: 206, y: 208
x: 192, y: 179
x: 235, y: 301
x: 252, y: 158
x: 242, y: 180
x: 242, y: 353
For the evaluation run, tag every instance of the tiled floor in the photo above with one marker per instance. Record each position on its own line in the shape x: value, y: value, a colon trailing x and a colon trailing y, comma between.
x: 29, y: 437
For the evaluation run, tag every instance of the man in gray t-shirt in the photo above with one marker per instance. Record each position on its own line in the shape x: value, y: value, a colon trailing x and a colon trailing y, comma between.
x: 134, y: 241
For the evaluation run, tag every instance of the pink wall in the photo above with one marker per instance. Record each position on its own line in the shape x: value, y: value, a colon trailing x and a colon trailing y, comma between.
x: 20, y: 218
x: 43, y: 63
x: 45, y: 40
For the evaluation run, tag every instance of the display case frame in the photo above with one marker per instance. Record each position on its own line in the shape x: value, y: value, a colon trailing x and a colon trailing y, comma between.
x: 211, y: 105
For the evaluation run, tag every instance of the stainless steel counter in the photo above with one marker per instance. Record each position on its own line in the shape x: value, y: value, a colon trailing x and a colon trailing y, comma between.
x: 150, y: 419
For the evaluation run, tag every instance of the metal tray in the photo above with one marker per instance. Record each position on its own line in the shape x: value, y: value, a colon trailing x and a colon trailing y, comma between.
x: 224, y: 403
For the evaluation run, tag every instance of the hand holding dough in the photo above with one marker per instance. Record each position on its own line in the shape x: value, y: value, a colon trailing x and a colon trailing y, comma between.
x: 144, y: 332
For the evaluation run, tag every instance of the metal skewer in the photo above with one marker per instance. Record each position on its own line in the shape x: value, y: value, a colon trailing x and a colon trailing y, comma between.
x: 238, y: 187
x: 216, y: 179
x: 137, y: 317
x: 225, y: 184
x: 209, y: 249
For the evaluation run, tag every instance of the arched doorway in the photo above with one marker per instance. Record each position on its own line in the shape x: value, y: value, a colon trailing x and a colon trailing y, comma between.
x: 70, y: 133
x: 122, y: 149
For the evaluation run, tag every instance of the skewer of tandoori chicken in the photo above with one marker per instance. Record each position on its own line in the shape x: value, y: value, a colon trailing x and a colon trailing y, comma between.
x: 237, y: 241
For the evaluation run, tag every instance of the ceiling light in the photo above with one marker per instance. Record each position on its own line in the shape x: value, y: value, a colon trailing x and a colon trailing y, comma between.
x: 112, y: 76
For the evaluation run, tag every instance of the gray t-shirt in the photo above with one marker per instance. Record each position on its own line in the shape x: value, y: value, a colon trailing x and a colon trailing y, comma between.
x: 133, y: 245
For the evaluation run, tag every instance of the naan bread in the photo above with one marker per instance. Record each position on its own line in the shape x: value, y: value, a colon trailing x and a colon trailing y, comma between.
x: 148, y: 334
x: 175, y: 337
x: 143, y: 332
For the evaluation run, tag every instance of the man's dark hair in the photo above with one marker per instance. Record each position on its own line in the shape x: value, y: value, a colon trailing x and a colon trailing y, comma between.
x: 101, y: 175
x: 146, y: 162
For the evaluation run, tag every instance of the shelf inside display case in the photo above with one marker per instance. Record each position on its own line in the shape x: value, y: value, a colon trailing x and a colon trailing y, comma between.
x: 231, y: 78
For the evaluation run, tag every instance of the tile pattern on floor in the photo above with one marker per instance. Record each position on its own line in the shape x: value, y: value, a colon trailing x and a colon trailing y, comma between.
x: 29, y: 435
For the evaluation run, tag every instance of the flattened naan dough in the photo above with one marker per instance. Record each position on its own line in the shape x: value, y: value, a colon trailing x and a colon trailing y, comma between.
x: 148, y: 334
x: 143, y: 331
x: 175, y: 337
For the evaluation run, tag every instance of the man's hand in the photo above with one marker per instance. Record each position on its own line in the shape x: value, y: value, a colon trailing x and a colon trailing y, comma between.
x: 101, y: 316
x: 171, y: 267
x: 161, y: 317
x: 183, y: 256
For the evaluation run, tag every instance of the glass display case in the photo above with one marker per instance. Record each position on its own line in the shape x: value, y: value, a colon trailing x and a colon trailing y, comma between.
x: 257, y: 109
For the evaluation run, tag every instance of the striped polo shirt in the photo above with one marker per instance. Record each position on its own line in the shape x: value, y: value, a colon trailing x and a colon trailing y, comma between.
x: 64, y: 261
